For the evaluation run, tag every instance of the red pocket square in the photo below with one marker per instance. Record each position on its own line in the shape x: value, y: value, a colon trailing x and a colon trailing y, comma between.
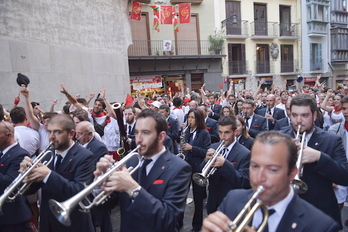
x: 208, y: 128
x: 68, y: 171
x: 256, y: 126
x: 158, y: 182
x: 233, y: 162
x: 168, y: 127
x: 1, y: 165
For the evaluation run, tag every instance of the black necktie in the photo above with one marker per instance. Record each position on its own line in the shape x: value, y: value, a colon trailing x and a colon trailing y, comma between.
x: 142, y: 170
x: 247, y: 121
x: 269, y: 111
x: 58, y: 162
x: 270, y: 212
x: 191, y: 138
x: 129, y: 130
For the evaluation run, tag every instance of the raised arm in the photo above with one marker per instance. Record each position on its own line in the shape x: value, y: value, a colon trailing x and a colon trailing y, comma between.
x: 323, y: 105
x: 71, y: 98
x: 107, y: 103
x: 34, y: 121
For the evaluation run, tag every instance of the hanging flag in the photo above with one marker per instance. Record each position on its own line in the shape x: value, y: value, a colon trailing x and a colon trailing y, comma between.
x: 175, y: 19
x: 136, y: 11
x: 129, y: 100
x: 166, y: 14
x: 185, y: 12
x: 156, y: 16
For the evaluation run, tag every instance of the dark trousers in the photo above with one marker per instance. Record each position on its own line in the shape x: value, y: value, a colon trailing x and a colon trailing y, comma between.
x: 23, y: 227
x: 199, y: 194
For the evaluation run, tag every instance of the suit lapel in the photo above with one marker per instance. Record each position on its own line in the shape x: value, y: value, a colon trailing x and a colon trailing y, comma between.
x: 291, y: 220
x: 67, y: 159
x: 156, y: 171
x: 232, y: 155
x: 314, y: 138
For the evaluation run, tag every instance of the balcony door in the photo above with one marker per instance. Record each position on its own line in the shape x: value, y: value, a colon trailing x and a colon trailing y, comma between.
x: 233, y: 10
x: 260, y: 19
x: 262, y: 58
x: 236, y: 59
x: 140, y: 36
x: 187, y: 39
x: 287, y: 58
x: 285, y: 21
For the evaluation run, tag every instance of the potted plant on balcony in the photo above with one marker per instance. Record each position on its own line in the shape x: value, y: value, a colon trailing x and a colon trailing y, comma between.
x: 217, y: 41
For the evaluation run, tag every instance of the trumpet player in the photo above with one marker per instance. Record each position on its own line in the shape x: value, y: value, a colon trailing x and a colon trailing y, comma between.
x: 16, y: 215
x: 64, y: 177
x: 232, y: 165
x: 324, y: 158
x: 273, y: 166
x: 153, y: 198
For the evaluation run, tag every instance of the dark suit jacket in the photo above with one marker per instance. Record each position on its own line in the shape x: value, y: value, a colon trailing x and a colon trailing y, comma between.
x: 200, y: 146
x: 173, y: 133
x: 277, y: 114
x: 234, y: 174
x: 281, y: 123
x: 211, y: 126
x: 258, y: 125
x: 75, y: 170
x: 161, y: 202
x: 216, y: 112
x: 246, y: 142
x: 97, y: 148
x: 259, y: 107
x: 19, y: 210
x: 132, y: 136
x: 331, y: 168
x: 299, y: 216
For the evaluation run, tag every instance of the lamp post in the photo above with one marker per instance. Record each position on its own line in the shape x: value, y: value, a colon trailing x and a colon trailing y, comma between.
x: 233, y: 19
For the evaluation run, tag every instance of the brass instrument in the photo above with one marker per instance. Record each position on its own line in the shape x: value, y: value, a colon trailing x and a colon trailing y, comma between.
x: 62, y: 210
x: 17, y: 188
x: 182, y: 141
x: 247, y: 213
x: 202, y: 178
x: 125, y: 146
x: 299, y: 185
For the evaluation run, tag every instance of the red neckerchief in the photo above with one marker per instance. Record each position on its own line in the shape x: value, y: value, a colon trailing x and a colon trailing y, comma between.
x: 177, y: 108
x: 107, y: 119
x: 283, y: 102
x: 346, y: 125
x: 101, y: 114
x: 337, y: 109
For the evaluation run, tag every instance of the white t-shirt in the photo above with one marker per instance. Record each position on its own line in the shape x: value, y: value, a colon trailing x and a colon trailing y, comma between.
x: 179, y: 115
x: 28, y: 139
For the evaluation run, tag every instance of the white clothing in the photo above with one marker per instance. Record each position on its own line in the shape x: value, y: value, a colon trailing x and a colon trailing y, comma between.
x: 111, y: 137
x: 179, y: 116
x: 29, y: 139
x: 336, y: 118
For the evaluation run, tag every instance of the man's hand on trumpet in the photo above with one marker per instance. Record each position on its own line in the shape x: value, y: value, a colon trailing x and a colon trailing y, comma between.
x: 120, y: 180
x: 215, y: 222
x: 219, y: 161
x: 310, y: 155
x: 37, y: 174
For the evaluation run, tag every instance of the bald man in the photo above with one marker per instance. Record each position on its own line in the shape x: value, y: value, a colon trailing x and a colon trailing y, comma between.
x: 17, y: 214
x: 271, y: 113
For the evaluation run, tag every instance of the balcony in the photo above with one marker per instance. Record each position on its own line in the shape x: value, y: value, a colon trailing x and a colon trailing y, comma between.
x: 264, y: 30
x: 237, y: 67
x: 339, y: 55
x: 264, y: 67
x: 316, y: 65
x: 288, y: 66
x: 240, y: 30
x: 179, y: 48
x: 289, y: 30
x: 339, y: 17
x: 317, y: 28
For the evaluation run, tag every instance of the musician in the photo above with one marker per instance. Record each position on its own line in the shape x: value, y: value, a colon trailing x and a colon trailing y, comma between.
x: 271, y: 113
x: 198, y: 142
x: 273, y: 166
x: 214, y: 109
x: 242, y: 134
x: 64, y: 177
x: 324, y: 157
x: 255, y: 123
x: 153, y: 198
x: 130, y: 114
x: 173, y: 126
x: 211, y: 124
x: 17, y: 214
x: 232, y: 164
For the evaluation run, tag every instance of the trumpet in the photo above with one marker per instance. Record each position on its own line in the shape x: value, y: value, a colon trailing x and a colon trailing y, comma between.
x: 202, y: 178
x: 182, y: 141
x: 299, y: 185
x: 247, y: 213
x: 16, y: 188
x: 62, y: 210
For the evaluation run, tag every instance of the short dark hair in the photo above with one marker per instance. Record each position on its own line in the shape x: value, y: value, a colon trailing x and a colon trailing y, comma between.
x: 344, y: 99
x: 17, y: 115
x: 65, y: 120
x: 165, y: 107
x: 49, y: 115
x: 82, y: 101
x: 225, y: 121
x: 132, y: 108
x: 250, y: 102
x: 304, y: 99
x: 199, y: 118
x: 33, y: 104
x: 275, y: 137
x: 161, y: 122
x: 81, y: 115
x: 177, y: 101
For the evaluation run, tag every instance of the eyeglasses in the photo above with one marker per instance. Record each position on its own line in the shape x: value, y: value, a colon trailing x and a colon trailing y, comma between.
x: 6, y: 126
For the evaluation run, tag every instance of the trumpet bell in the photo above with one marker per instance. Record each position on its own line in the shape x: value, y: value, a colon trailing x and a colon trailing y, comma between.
x: 299, y: 186
x: 199, y: 179
x: 60, y: 212
x: 181, y: 155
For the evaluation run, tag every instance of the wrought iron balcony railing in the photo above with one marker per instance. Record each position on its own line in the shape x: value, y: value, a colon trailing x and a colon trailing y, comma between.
x: 269, y: 29
x: 239, y: 28
x: 288, y: 66
x: 289, y: 29
x: 264, y: 67
x: 177, y: 48
x: 238, y: 67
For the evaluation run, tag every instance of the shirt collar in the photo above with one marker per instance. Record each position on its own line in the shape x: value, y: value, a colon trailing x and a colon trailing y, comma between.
x: 8, y: 148
x: 63, y: 154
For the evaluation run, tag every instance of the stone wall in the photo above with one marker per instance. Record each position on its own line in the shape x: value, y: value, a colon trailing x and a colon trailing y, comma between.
x: 81, y: 44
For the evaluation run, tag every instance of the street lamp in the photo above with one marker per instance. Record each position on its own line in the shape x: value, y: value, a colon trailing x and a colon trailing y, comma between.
x: 232, y: 18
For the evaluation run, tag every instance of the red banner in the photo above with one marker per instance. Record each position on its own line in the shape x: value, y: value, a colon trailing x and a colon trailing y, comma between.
x: 185, y: 12
x: 136, y: 11
x: 166, y: 14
